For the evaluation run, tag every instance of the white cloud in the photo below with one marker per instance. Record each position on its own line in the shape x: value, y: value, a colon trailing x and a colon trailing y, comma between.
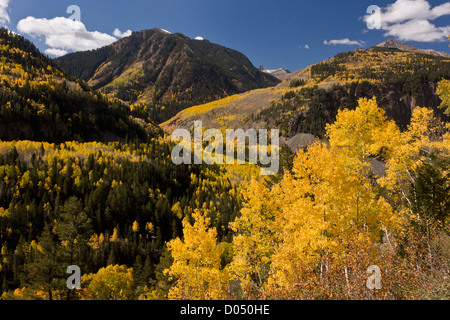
x: 345, y: 41
x: 409, y: 20
x: 417, y: 30
x: 119, y: 34
x: 64, y: 34
x: 55, y: 52
x: 166, y: 31
x: 4, y: 16
x: 306, y: 46
x: 199, y: 38
x: 442, y: 10
x: 403, y: 10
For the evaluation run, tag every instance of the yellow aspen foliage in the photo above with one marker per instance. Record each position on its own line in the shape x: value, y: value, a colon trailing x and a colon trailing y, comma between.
x: 317, y: 214
x: 149, y: 227
x: 325, y: 207
x: 110, y: 283
x: 443, y: 91
x: 135, y: 227
x: 101, y: 239
x: 422, y: 139
x: 115, y: 236
x: 363, y: 132
x: 196, y: 267
x: 3, y: 254
x: 255, y: 238
x: 94, y: 242
x: 177, y: 210
x: 3, y: 212
x: 25, y: 293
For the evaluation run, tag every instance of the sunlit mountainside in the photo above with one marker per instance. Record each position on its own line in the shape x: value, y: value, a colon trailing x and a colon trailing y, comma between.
x: 159, y: 73
x: 310, y: 98
x: 89, y: 181
x: 42, y: 102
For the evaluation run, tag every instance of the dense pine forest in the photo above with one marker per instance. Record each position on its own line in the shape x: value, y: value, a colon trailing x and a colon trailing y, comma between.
x: 41, y: 102
x: 95, y: 205
x: 374, y: 191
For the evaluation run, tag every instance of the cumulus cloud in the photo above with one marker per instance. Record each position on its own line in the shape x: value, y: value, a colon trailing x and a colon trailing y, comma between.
x: 306, y: 46
x: 119, y: 34
x: 418, y: 30
x: 199, y: 38
x: 345, y: 41
x: 64, y: 34
x: 55, y: 52
x: 4, y: 16
x: 403, y: 10
x: 409, y: 20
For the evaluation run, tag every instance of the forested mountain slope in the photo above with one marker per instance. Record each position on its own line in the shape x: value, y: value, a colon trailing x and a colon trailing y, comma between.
x: 39, y: 101
x: 141, y: 227
x: 400, y: 80
x: 160, y: 73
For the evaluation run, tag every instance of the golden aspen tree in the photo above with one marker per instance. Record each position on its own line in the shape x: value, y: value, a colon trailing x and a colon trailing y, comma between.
x: 255, y: 239
x: 94, y: 242
x: 135, y: 227
x: 318, y: 214
x: 425, y: 135
x: 115, y: 236
x: 110, y: 283
x: 443, y: 91
x: 425, y: 144
x: 325, y: 207
x: 196, y: 267
x: 363, y: 132
x: 149, y: 227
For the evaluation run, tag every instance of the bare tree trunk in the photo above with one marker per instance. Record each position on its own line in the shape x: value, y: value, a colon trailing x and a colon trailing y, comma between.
x: 347, y: 281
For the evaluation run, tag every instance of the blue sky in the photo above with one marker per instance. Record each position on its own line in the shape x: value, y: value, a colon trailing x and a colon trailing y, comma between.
x: 285, y: 33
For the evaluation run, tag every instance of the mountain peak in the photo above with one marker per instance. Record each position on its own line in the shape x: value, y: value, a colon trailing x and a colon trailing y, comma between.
x: 394, y: 44
x: 279, y: 73
x: 166, y: 72
x: 162, y: 30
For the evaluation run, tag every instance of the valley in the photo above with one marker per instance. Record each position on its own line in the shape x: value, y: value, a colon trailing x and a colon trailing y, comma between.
x: 88, y: 177
x: 310, y: 98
